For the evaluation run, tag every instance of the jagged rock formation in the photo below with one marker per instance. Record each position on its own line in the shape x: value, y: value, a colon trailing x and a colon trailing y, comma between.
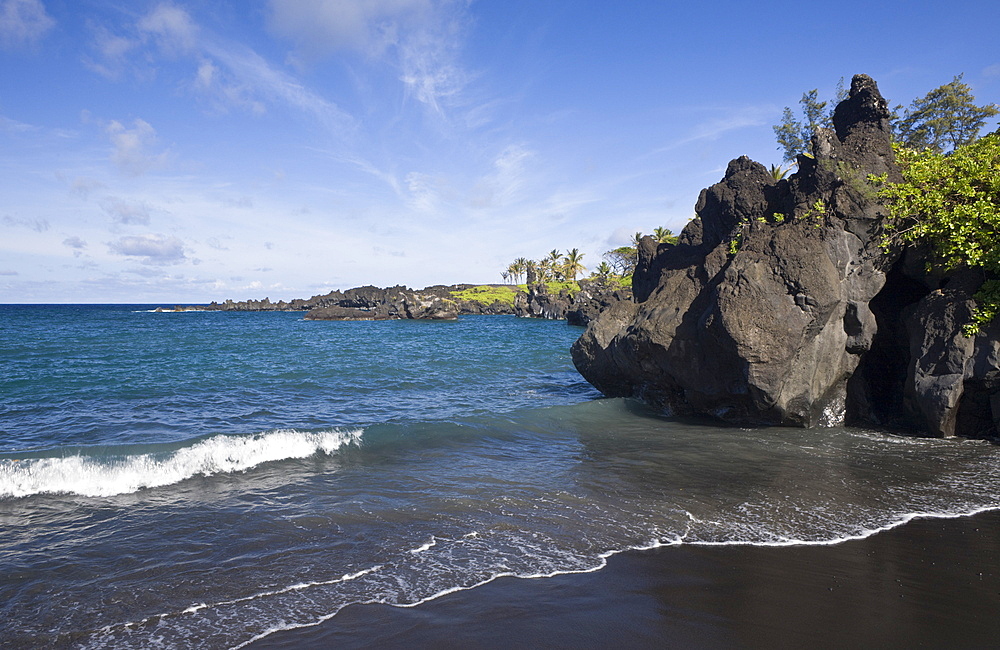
x: 576, y: 308
x: 592, y: 300
x: 372, y: 303
x: 779, y: 305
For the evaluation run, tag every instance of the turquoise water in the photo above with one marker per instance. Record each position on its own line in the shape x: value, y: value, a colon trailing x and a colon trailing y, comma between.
x: 205, y: 479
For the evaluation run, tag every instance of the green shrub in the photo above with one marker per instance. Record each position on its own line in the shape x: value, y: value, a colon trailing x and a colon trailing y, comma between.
x: 488, y: 294
x: 952, y: 202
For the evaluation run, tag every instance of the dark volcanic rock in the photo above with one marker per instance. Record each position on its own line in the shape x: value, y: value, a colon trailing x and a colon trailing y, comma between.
x: 539, y: 303
x: 776, y: 294
x: 593, y: 299
x: 336, y: 312
x: 372, y: 303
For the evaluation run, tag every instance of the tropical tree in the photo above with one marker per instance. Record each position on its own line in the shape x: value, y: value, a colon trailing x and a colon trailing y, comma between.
x: 952, y: 203
x: 602, y: 272
x: 623, y: 259
x: 664, y: 235
x: 518, y: 268
x: 636, y: 238
x: 573, y: 264
x: 552, y: 263
x: 944, y: 119
x: 795, y: 136
x: 505, y: 275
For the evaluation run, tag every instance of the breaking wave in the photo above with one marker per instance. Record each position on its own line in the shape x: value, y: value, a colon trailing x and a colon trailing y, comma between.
x: 102, y: 476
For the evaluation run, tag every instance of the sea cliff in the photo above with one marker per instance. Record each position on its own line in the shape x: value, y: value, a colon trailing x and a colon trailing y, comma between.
x: 781, y: 304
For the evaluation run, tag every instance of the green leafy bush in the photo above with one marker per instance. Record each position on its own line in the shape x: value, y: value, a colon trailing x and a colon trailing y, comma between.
x: 487, y: 294
x: 952, y: 202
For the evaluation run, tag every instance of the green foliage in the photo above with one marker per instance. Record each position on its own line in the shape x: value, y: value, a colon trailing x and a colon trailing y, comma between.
x: 622, y: 259
x: 664, y: 235
x: 735, y: 243
x: 794, y: 136
x: 952, y: 202
x: 572, y: 264
x: 487, y: 294
x: 778, y: 172
x: 602, y: 273
x: 624, y: 281
x: 944, y: 119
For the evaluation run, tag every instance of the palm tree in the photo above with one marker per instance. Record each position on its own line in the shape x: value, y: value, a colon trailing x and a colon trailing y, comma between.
x: 519, y: 268
x: 664, y: 235
x: 636, y: 238
x: 572, y: 264
x: 505, y: 275
x: 602, y: 272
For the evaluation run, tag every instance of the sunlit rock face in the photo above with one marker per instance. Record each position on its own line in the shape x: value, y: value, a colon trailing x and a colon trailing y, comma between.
x: 768, y: 309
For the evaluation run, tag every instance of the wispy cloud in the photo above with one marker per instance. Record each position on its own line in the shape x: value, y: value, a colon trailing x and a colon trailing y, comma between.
x: 320, y: 27
x: 23, y: 23
x: 112, y: 53
x: 38, y: 225
x: 229, y: 75
x: 153, y: 248
x: 172, y: 27
x: 252, y: 76
x: 129, y: 213
x: 420, y: 38
x: 132, y: 152
x: 730, y: 120
x: 501, y: 186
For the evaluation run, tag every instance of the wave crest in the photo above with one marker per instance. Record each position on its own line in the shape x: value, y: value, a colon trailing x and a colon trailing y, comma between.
x: 95, y: 476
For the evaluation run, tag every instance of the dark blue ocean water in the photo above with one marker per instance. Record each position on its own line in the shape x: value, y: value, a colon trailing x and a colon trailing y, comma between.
x: 207, y: 478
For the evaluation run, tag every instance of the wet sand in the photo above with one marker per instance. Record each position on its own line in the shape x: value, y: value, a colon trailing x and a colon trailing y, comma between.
x: 931, y: 583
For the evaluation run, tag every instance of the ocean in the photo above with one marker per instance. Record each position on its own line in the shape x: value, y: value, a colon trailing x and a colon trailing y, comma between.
x: 219, y: 479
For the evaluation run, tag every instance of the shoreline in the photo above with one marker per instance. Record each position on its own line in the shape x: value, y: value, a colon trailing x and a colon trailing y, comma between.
x: 931, y: 581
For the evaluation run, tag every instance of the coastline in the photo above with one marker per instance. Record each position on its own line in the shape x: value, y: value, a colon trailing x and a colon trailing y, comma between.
x: 930, y: 582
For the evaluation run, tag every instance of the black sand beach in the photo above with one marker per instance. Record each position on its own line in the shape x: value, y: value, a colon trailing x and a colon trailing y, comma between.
x: 932, y: 583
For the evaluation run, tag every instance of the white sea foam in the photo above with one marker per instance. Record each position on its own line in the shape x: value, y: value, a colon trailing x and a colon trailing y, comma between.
x: 99, y: 477
x: 424, y: 547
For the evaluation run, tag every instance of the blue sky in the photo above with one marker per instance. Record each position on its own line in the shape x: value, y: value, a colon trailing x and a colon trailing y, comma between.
x: 188, y: 152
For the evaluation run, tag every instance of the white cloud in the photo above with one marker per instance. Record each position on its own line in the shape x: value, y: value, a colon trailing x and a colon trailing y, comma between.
x: 74, y: 242
x: 253, y: 75
x: 132, y: 153
x: 126, y: 212
x: 23, y: 23
x: 156, y: 249
x: 113, y: 51
x: 172, y: 27
x: 229, y: 75
x: 320, y: 27
x: 84, y: 186
x: 420, y: 37
x: 992, y: 71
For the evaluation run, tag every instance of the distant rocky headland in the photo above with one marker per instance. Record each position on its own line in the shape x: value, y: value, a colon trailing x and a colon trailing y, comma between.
x: 576, y: 302
x: 783, y: 303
